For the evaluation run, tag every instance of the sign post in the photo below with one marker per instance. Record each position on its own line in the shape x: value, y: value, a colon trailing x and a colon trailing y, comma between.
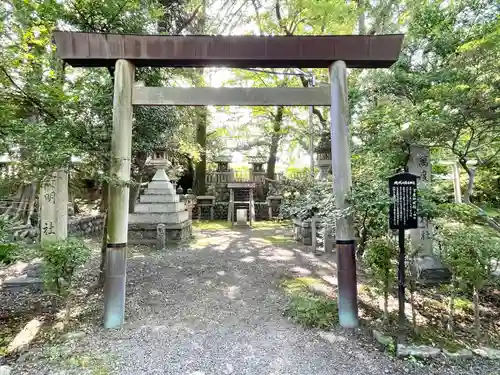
x: 402, y: 216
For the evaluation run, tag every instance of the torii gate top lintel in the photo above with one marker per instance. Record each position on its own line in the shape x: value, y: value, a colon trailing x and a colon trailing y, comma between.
x: 82, y: 49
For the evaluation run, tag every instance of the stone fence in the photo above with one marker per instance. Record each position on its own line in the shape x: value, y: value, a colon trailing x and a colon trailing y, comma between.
x: 220, y: 211
x: 77, y: 226
x: 302, y: 232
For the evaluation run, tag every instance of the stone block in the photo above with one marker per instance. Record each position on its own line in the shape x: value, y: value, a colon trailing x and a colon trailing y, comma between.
x: 155, y: 218
x: 460, y: 354
x: 381, y: 338
x: 486, y: 352
x: 161, y: 237
x: 158, y: 198
x: 241, y: 216
x: 159, y: 207
x: 429, y: 270
x: 146, y: 234
x: 417, y: 351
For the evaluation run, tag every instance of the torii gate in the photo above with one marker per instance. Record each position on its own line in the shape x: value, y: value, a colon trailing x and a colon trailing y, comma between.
x: 125, y: 52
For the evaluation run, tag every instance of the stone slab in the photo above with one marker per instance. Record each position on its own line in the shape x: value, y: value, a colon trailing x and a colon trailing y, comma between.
x: 158, y: 197
x: 461, y: 354
x: 157, y: 218
x: 154, y: 226
x: 22, y: 281
x: 417, y: 351
x: 486, y: 352
x: 241, y: 216
x: 381, y: 338
x: 165, y: 207
x: 160, y: 190
x: 143, y: 235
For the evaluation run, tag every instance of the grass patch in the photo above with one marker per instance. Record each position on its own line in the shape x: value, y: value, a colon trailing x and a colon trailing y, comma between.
x: 278, y: 239
x: 306, y: 308
x: 299, y: 284
x: 438, y: 338
x: 491, y: 210
x: 264, y: 224
x: 64, y: 358
x: 211, y: 225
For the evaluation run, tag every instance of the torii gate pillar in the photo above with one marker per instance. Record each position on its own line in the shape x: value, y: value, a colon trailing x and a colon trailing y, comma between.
x: 121, y: 149
x: 341, y: 167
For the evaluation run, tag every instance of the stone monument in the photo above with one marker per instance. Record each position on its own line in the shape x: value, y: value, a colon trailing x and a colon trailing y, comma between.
x: 159, y: 204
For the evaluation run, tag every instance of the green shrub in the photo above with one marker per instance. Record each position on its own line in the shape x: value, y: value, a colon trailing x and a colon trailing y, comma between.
x: 8, y: 252
x: 471, y: 251
x: 300, y: 197
x: 8, y: 249
x: 459, y: 212
x: 312, y: 311
x: 380, y: 259
x: 61, y: 259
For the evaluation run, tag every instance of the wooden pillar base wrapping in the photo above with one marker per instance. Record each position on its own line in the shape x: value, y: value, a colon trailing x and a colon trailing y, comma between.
x: 347, y: 283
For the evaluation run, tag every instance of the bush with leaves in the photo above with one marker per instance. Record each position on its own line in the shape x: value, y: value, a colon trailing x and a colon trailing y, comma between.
x: 8, y: 249
x: 459, y: 212
x: 61, y: 260
x: 471, y: 252
x: 380, y: 259
x: 301, y: 197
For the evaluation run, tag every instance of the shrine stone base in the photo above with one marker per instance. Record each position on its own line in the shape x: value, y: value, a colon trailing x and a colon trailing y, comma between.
x: 146, y: 234
x: 302, y: 233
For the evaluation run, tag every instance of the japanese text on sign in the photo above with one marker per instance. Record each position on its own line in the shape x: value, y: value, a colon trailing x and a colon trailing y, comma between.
x: 403, y: 209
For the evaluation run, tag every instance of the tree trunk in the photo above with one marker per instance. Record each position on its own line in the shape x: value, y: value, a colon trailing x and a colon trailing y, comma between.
x: 104, y: 241
x: 363, y: 236
x: 361, y: 17
x: 451, y: 306
x: 202, y: 118
x: 477, y: 321
x: 386, y: 299
x: 135, y: 189
x: 275, y: 139
x: 471, y: 172
x: 104, y: 247
x: 22, y: 206
x: 201, y: 139
x: 412, y: 304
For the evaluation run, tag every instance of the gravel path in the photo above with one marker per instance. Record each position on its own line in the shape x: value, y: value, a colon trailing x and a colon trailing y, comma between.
x: 215, y: 307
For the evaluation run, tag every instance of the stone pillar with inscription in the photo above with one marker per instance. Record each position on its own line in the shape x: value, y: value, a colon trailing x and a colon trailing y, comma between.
x: 54, y: 207
x: 420, y: 165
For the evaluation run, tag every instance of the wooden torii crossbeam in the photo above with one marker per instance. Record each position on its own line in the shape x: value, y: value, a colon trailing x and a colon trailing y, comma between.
x: 101, y: 50
x: 126, y: 52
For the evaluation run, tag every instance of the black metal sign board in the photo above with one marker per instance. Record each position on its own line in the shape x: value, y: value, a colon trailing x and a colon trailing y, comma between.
x: 403, y: 209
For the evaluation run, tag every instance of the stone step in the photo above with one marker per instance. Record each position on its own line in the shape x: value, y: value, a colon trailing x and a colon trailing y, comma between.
x: 17, y: 283
x: 164, y: 218
x: 158, y: 196
x: 165, y: 207
x: 166, y: 186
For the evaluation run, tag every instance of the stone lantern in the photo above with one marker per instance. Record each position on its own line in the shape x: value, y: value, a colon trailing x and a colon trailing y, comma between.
x: 159, y: 159
x: 222, y: 162
x: 223, y: 173
x: 324, y: 152
x: 257, y: 163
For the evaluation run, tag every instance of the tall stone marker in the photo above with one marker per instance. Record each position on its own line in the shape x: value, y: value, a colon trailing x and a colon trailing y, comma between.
x: 54, y: 207
x: 420, y: 165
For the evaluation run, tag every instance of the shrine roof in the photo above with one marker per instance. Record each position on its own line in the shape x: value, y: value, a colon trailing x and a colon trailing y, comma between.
x: 81, y: 49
